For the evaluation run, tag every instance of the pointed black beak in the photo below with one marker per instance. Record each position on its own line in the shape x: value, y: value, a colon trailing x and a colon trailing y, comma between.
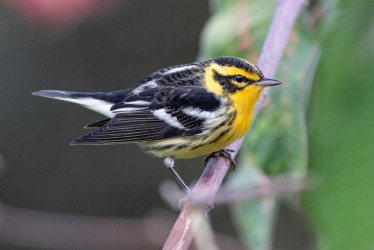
x: 268, y: 82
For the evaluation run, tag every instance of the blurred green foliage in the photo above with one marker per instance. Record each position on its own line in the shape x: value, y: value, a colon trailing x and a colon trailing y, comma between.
x: 236, y: 28
x: 341, y: 116
x: 341, y: 130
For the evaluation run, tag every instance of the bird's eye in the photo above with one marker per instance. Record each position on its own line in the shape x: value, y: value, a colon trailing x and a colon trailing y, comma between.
x: 239, y: 78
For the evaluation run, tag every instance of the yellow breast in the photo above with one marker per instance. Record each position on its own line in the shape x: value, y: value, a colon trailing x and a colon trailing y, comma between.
x: 238, y: 121
x: 244, y: 102
x: 243, y: 107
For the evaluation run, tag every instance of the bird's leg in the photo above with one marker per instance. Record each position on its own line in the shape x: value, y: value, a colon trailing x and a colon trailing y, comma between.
x: 169, y: 163
x: 224, y: 153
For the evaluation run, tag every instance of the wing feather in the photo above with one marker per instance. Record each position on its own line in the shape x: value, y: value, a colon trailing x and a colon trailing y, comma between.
x: 160, y: 118
x: 125, y: 128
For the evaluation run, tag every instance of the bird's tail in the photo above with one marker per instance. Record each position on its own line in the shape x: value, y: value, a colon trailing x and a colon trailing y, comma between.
x: 100, y: 102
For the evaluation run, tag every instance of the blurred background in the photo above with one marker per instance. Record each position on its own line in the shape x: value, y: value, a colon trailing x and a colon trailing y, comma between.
x: 317, y: 128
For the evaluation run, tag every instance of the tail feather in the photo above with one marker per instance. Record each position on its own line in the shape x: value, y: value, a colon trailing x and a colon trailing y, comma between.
x: 100, y: 102
x: 56, y: 94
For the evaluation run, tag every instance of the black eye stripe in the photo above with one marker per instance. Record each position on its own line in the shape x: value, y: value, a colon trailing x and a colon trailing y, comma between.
x: 227, y: 82
x: 241, y: 79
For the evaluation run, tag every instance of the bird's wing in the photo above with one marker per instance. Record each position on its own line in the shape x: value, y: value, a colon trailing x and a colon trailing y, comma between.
x: 125, y: 128
x: 169, y: 112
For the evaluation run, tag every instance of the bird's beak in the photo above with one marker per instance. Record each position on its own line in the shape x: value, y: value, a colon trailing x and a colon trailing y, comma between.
x: 268, y: 82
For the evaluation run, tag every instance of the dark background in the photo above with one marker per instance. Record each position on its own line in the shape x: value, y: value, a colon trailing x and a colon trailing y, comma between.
x: 111, y: 53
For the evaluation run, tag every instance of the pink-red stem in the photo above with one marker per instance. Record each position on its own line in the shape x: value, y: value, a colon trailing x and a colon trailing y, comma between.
x: 206, y: 188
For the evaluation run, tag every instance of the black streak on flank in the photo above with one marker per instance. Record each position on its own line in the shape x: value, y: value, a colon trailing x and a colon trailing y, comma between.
x: 198, y: 146
x: 220, y: 135
x: 182, y: 146
x: 232, y: 117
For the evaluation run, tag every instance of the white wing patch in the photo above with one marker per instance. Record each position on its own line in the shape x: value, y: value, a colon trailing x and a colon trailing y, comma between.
x: 172, y: 121
x: 99, y: 106
x: 139, y: 102
x: 199, y: 113
x: 180, y: 68
x: 126, y: 110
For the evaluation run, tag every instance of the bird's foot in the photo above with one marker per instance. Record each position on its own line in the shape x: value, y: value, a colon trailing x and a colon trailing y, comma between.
x: 225, y: 153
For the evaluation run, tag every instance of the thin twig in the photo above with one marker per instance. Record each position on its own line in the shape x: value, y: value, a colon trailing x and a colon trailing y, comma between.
x: 206, y: 188
x: 276, y: 187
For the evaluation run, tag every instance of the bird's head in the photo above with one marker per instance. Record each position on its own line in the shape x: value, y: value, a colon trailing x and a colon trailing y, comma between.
x: 229, y: 76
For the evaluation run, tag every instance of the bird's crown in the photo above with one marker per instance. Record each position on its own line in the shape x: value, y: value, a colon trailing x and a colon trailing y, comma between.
x: 233, y: 64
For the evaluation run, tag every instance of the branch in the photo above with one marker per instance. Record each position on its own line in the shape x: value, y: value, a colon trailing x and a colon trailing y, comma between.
x: 206, y: 188
x: 276, y: 187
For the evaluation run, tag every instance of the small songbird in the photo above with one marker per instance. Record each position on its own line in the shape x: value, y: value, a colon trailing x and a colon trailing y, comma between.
x: 182, y: 111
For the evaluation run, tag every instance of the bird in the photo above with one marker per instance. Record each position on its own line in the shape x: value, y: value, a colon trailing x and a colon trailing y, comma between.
x: 178, y: 112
